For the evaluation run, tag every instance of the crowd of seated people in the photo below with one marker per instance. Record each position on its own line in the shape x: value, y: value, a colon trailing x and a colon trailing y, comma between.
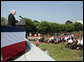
x: 73, y: 41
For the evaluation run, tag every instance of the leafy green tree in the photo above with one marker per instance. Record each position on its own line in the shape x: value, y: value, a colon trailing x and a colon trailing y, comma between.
x: 70, y: 28
x: 30, y: 26
x: 48, y: 27
x: 62, y: 28
x: 3, y: 21
x: 68, y: 22
x: 44, y: 27
x: 78, y: 26
x: 54, y: 27
x: 36, y: 22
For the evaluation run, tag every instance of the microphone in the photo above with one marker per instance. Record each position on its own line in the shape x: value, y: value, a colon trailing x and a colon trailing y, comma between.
x: 21, y: 17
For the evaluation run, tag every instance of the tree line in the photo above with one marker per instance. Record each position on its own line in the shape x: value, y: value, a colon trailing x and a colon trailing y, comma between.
x: 45, y: 27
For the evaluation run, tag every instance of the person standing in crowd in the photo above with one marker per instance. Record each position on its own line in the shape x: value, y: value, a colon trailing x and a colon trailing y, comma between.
x: 11, y: 18
x: 37, y: 43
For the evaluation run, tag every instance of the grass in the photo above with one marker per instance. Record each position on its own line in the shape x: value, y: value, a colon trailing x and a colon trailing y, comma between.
x: 60, y: 53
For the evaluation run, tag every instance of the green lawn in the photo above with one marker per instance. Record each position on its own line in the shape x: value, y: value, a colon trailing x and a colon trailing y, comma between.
x: 60, y: 53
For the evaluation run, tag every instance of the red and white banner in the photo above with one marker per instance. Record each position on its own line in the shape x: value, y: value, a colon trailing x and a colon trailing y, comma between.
x: 12, y: 41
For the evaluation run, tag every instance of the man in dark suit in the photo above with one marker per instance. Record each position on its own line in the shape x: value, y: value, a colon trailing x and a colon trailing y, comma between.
x: 11, y: 18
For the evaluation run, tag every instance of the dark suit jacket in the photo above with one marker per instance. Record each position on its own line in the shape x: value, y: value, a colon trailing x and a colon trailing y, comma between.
x: 11, y: 20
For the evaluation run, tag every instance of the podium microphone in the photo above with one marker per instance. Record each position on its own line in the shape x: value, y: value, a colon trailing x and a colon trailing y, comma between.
x: 21, y: 17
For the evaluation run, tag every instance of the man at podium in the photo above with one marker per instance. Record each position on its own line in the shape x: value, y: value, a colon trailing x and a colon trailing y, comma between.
x: 11, y: 18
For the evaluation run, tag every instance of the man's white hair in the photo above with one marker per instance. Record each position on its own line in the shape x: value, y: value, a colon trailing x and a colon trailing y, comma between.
x: 13, y: 11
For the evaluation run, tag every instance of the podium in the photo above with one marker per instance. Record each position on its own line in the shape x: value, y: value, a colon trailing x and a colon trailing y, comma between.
x: 12, y: 40
x: 21, y: 23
